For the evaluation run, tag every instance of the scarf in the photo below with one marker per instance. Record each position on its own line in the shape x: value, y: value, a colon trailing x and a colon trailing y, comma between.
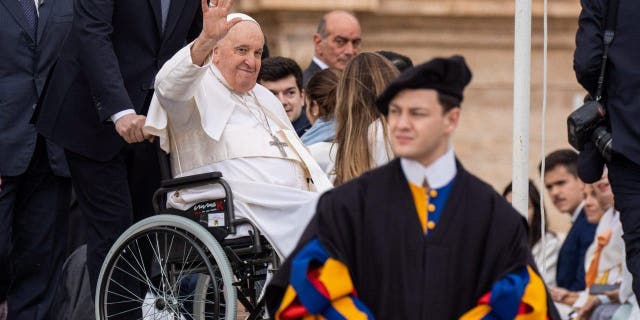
x: 321, y: 131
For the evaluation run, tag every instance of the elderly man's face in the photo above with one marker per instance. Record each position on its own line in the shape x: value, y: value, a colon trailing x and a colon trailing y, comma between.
x: 237, y: 55
x: 342, y: 41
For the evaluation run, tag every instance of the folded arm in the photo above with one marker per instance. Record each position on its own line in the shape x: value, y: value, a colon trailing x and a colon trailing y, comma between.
x: 587, y: 57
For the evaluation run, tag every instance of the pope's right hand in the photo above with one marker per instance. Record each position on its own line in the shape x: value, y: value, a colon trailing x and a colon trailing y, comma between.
x: 129, y: 127
x: 214, y: 19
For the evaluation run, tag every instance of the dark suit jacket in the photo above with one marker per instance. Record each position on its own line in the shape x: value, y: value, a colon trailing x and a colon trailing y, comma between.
x: 622, y: 85
x: 570, y: 272
x: 108, y: 65
x: 24, y: 65
x: 309, y: 72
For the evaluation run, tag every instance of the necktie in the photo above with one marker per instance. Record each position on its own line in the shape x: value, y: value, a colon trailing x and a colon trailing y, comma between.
x: 592, y: 272
x: 30, y: 12
x: 164, y: 6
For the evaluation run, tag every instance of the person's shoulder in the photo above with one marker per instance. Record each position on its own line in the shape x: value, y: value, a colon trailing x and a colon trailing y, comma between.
x: 554, y: 239
x: 472, y: 182
x: 384, y: 173
x: 484, y: 195
x: 265, y: 96
x: 369, y: 182
x: 312, y: 67
x: 262, y: 91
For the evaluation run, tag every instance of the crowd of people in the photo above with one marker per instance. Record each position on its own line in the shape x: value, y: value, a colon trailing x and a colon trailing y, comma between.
x: 347, y: 167
x: 585, y: 269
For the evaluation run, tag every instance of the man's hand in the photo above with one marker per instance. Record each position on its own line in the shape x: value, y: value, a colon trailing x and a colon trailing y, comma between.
x: 129, y: 127
x: 3, y: 310
x: 586, y: 310
x: 558, y: 294
x: 613, y: 295
x: 214, y: 27
x: 214, y: 19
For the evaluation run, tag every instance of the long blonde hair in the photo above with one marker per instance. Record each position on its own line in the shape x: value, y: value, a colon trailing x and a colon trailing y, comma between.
x: 364, y: 78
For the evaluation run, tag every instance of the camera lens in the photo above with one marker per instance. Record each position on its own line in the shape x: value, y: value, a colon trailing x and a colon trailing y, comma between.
x: 602, y: 139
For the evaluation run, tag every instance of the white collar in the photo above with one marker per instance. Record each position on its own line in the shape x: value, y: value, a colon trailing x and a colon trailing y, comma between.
x: 320, y: 63
x: 576, y: 212
x: 438, y: 174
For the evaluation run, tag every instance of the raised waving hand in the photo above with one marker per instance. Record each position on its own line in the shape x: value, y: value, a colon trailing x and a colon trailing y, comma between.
x: 214, y: 27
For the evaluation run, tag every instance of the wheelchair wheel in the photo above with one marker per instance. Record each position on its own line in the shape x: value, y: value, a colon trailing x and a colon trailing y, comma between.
x: 155, y: 271
x: 205, y: 287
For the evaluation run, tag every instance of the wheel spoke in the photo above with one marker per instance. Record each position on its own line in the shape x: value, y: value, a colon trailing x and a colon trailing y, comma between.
x: 183, y: 262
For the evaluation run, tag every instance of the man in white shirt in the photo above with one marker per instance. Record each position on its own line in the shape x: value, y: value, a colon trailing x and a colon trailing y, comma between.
x: 211, y: 115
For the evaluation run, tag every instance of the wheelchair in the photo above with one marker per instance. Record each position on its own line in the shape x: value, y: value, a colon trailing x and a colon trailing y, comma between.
x: 181, y: 265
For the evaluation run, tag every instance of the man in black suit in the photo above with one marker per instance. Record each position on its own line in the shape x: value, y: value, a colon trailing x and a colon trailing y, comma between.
x: 96, y: 103
x: 622, y: 101
x: 34, y: 179
x: 336, y: 42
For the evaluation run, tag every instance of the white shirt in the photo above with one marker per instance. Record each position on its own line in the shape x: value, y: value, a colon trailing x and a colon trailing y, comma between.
x: 320, y: 63
x: 576, y: 212
x: 548, y: 256
x: 438, y: 174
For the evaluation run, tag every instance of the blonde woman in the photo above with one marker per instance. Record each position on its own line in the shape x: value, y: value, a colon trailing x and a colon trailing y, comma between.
x: 362, y: 141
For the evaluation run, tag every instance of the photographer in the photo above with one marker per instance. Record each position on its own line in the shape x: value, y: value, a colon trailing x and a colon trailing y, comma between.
x: 621, y: 101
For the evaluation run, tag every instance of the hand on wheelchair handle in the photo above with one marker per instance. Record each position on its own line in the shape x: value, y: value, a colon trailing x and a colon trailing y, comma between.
x: 129, y: 127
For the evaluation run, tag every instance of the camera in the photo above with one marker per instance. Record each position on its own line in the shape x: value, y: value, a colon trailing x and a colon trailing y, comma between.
x: 589, y: 124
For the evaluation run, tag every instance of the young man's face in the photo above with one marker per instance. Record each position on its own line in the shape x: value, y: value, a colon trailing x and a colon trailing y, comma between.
x: 287, y: 91
x: 418, y: 128
x: 566, y: 190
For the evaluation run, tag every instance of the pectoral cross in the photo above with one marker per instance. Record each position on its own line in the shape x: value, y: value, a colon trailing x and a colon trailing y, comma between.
x: 279, y: 144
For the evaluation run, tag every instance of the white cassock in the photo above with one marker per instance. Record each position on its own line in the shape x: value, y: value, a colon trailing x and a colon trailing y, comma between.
x: 206, y: 127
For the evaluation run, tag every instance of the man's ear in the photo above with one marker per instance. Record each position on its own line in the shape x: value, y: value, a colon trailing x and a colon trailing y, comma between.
x: 451, y: 118
x: 317, y: 41
x: 215, y: 54
x: 303, y: 95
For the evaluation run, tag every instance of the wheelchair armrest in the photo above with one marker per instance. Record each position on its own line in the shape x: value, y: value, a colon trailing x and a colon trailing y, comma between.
x: 190, y: 180
x: 159, y: 198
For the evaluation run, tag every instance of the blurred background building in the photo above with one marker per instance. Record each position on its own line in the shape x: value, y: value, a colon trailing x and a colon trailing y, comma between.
x: 482, y: 31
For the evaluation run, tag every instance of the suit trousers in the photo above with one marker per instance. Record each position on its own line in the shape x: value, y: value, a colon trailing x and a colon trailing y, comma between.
x: 112, y: 195
x: 33, y: 230
x: 624, y: 176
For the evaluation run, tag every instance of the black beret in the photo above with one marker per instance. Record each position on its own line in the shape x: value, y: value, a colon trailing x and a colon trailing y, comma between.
x: 446, y: 75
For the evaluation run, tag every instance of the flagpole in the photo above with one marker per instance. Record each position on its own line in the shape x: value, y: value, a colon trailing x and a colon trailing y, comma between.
x: 521, y: 105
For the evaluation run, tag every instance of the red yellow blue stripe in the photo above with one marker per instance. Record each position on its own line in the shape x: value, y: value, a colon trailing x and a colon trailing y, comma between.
x: 320, y: 288
x: 520, y: 295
